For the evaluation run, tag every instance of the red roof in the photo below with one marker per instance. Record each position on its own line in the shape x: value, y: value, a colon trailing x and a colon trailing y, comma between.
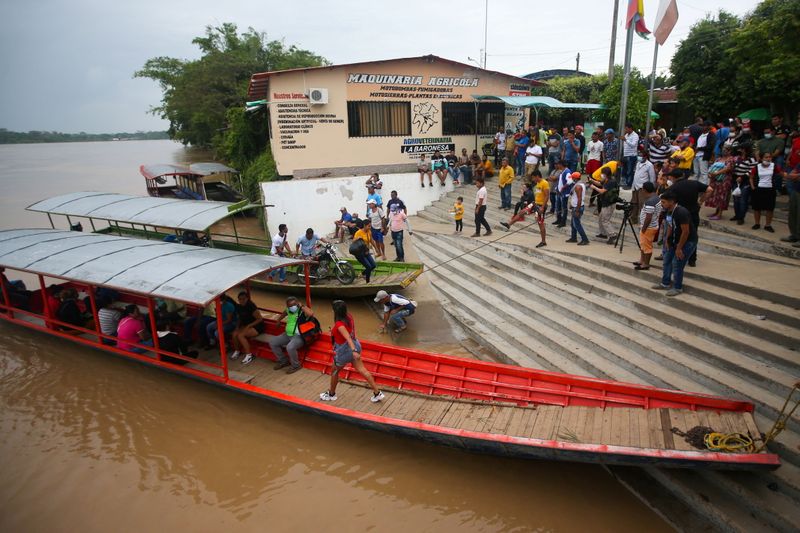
x: 666, y: 96
x: 259, y: 82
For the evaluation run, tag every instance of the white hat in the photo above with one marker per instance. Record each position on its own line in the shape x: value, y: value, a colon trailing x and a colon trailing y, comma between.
x: 372, y: 202
x: 380, y: 296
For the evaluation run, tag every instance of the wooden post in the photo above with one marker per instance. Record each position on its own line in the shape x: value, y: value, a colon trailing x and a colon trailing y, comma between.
x: 45, y: 302
x: 6, y: 299
x: 223, y: 354
x: 154, y: 332
x: 307, y: 272
x: 95, y: 316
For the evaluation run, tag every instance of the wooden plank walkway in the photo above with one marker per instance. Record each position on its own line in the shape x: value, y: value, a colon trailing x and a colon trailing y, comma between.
x: 631, y: 427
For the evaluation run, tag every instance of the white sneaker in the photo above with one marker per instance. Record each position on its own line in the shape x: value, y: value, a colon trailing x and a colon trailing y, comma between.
x: 377, y: 397
x: 327, y: 397
x: 248, y: 358
x: 235, y: 355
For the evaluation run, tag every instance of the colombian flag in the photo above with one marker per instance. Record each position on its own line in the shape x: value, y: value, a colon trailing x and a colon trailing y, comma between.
x: 636, y: 17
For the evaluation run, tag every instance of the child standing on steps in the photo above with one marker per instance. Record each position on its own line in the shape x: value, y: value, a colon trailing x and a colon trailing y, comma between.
x: 458, y: 213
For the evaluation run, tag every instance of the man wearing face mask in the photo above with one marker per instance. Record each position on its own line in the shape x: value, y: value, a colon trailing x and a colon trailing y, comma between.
x: 644, y: 173
x: 290, y: 339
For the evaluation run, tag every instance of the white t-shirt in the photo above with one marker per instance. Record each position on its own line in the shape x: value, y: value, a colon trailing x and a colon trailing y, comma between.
x: 376, y: 218
x: 702, y: 142
x: 397, y: 300
x: 573, y: 197
x: 277, y: 243
x: 645, y: 171
x: 765, y: 175
x: 481, y: 195
x: 533, y: 154
x: 595, y: 149
x: 631, y: 144
x: 501, y: 140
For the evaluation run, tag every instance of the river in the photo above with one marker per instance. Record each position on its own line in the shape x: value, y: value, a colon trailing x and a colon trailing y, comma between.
x: 91, y: 442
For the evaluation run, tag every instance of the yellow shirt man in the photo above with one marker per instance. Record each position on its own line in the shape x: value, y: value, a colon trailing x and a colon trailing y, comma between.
x: 506, y: 176
x: 541, y: 192
x: 597, y: 174
x: 686, y: 157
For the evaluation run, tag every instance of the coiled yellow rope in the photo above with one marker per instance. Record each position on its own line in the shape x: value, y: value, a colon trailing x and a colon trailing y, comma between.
x: 729, y: 442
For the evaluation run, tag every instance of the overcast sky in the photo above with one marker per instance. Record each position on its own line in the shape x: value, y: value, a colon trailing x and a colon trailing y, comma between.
x: 68, y: 65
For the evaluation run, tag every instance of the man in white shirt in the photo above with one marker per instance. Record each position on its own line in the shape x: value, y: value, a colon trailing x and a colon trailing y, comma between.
x: 594, y: 149
x: 630, y: 148
x: 645, y: 173
x: 280, y: 247
x: 480, y: 209
x: 577, y: 204
x: 533, y: 154
x: 499, y: 146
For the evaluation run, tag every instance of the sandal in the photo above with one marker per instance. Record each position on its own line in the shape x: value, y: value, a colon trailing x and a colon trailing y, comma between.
x: 640, y: 267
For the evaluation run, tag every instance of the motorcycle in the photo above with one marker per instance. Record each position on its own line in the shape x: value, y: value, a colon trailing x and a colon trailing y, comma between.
x: 329, y: 264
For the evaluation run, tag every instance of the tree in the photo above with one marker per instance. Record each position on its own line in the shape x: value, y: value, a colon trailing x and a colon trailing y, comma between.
x: 766, y: 57
x: 582, y: 89
x: 611, y: 98
x: 703, y: 69
x: 197, y: 95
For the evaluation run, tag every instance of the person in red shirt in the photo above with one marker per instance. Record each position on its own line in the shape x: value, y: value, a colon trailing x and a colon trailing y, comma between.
x: 346, y: 350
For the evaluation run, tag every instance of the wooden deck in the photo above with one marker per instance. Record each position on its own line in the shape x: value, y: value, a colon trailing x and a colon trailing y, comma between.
x: 631, y: 427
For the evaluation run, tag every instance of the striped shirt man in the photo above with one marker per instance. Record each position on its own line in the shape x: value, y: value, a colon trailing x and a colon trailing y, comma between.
x: 658, y: 152
x: 743, y: 166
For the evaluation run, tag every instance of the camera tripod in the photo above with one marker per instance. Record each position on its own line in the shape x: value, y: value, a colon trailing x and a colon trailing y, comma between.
x: 626, y: 218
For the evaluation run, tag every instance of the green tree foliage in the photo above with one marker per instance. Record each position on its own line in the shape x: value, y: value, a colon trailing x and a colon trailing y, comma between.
x: 583, y: 89
x: 198, y: 94
x: 766, y: 57
x: 703, y: 68
x: 611, y: 98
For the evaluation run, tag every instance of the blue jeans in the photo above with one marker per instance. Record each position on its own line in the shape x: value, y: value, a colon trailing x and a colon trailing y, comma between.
x: 741, y: 203
x: 572, y: 164
x: 398, y: 320
x: 505, y: 196
x: 454, y: 172
x: 466, y: 172
x: 577, y: 227
x: 519, y: 167
x: 213, y: 335
x: 369, y: 264
x: 397, y: 237
x: 189, y: 324
x: 629, y: 168
x: 674, y: 265
x: 552, y: 159
x: 134, y: 349
x: 561, y: 209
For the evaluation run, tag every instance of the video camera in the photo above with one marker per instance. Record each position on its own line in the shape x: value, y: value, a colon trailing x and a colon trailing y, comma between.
x: 623, y: 205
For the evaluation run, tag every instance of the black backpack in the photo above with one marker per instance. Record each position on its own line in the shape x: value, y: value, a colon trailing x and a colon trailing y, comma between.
x: 308, y: 328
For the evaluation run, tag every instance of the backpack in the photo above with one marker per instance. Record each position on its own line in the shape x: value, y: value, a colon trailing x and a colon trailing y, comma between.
x: 358, y: 247
x: 308, y: 327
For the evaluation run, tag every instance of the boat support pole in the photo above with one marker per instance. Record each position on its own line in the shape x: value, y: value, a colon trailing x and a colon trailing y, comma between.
x: 51, y: 221
x: 235, y: 233
x: 151, y: 312
x: 307, y: 272
x: 45, y: 302
x: 95, y: 316
x: 7, y: 300
x: 223, y: 355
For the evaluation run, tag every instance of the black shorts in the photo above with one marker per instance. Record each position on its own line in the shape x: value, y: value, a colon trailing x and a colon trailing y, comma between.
x: 260, y: 327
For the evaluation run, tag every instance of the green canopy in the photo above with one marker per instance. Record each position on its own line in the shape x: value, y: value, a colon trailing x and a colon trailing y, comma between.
x: 759, y: 113
x: 653, y: 114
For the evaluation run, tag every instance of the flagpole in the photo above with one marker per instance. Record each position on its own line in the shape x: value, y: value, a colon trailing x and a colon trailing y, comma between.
x: 652, y: 87
x: 613, y: 42
x: 626, y: 78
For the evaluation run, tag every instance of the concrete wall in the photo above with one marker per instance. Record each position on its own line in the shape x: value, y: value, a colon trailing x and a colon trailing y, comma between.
x: 301, y: 204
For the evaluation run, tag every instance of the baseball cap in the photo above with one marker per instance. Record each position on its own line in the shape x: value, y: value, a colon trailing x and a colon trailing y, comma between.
x: 576, y: 175
x: 372, y: 202
x: 609, y: 130
x: 380, y: 296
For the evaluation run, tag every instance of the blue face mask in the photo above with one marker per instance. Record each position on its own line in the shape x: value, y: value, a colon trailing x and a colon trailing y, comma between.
x: 293, y: 308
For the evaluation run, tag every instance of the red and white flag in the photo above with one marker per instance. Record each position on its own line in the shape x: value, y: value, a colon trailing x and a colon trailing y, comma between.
x: 665, y: 20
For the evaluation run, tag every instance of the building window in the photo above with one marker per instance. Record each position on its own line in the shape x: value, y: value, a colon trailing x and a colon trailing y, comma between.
x: 458, y: 118
x: 378, y: 119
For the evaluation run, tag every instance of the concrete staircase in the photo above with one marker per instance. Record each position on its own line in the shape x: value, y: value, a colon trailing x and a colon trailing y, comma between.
x: 575, y: 313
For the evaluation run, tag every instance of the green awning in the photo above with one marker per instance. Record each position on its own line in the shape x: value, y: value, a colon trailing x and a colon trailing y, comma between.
x: 759, y: 113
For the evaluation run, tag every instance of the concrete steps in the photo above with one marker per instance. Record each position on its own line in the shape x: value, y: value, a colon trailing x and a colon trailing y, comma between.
x: 526, y: 301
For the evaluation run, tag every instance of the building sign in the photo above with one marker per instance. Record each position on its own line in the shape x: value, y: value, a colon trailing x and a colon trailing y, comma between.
x: 515, y: 118
x: 407, y: 86
x: 519, y: 89
x: 426, y: 145
x: 297, y: 118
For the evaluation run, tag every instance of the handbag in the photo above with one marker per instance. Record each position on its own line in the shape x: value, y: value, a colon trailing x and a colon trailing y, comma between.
x: 358, y: 247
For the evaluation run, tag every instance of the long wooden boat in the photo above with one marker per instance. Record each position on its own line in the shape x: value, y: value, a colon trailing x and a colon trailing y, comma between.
x: 474, y: 405
x: 159, y: 218
x: 198, y: 181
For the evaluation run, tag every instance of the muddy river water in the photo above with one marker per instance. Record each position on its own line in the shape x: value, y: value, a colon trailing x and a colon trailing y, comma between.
x: 90, y: 442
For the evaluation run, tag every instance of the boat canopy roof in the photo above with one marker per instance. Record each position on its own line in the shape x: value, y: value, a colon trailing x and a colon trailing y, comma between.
x: 193, y: 215
x: 156, y: 171
x: 207, y: 169
x: 190, y: 274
